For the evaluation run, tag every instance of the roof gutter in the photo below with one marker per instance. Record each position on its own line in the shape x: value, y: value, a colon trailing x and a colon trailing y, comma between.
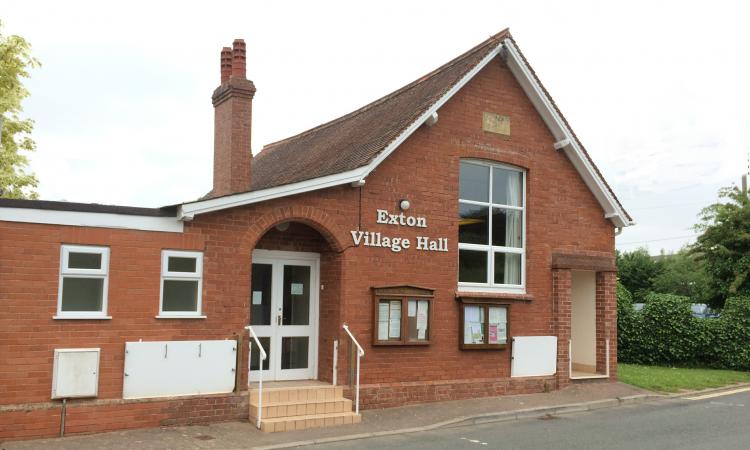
x: 188, y: 211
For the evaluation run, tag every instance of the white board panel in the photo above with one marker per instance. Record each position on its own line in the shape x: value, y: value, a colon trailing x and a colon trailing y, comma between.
x: 75, y: 373
x: 534, y: 356
x: 170, y: 368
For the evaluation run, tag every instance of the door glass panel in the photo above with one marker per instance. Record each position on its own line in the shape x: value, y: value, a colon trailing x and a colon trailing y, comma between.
x: 255, y: 353
x: 296, y: 296
x: 294, y: 352
x: 260, y: 295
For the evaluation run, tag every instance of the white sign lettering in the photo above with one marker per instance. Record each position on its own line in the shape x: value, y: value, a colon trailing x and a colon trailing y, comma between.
x: 400, y: 219
x: 397, y: 244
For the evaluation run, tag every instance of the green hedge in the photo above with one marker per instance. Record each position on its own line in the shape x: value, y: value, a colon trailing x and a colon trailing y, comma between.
x: 666, y: 333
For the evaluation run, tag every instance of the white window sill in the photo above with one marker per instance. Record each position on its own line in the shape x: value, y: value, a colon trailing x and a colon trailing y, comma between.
x: 72, y: 317
x: 490, y: 289
x: 170, y: 316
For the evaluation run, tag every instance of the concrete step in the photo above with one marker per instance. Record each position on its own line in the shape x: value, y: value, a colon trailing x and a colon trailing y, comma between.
x: 309, y: 421
x: 297, y: 393
x: 298, y: 407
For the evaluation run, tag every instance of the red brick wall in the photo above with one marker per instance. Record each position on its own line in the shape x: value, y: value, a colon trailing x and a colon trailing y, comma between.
x: 562, y: 215
x: 96, y: 416
x: 562, y: 300
x: 606, y: 322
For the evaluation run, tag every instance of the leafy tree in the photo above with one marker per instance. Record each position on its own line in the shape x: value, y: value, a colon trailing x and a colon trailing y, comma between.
x: 724, y: 245
x: 15, y: 62
x: 637, y: 271
x: 683, y: 274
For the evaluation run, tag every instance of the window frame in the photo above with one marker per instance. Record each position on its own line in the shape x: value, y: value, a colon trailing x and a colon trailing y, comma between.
x: 488, y: 248
x: 166, y: 275
x: 66, y: 272
x: 485, y: 304
x: 403, y: 294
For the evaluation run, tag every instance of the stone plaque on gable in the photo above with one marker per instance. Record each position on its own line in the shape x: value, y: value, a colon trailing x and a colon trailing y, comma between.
x: 495, y: 123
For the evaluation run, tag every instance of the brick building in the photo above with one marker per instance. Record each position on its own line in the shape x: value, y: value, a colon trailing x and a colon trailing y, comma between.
x: 457, y: 226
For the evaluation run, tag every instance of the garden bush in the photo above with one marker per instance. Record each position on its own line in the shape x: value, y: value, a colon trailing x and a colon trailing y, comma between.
x: 666, y: 333
x: 732, y: 348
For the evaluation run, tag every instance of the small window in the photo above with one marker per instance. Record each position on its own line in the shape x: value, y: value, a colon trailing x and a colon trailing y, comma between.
x: 402, y: 315
x: 484, y: 326
x: 82, y: 292
x: 181, y: 280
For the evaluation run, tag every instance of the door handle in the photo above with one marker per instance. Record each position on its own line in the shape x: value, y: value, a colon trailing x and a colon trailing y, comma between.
x: 278, y: 319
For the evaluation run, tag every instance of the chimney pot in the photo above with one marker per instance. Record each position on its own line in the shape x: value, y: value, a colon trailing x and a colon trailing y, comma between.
x: 233, y: 111
x: 239, y: 59
x: 226, y: 64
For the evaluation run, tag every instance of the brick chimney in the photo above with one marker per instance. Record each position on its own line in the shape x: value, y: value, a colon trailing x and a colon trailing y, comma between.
x: 233, y: 112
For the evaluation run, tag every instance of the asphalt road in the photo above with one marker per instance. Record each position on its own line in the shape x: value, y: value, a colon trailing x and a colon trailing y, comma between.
x: 713, y: 423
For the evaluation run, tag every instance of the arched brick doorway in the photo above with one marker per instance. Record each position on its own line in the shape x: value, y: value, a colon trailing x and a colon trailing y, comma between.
x: 295, y: 300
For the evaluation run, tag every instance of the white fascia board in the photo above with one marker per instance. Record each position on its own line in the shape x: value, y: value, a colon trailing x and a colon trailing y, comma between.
x: 522, y: 73
x: 189, y: 210
x: 91, y: 219
x: 433, y: 109
x: 543, y: 105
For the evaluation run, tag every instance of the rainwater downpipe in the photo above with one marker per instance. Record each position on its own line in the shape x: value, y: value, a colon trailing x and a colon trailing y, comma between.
x: 63, y: 411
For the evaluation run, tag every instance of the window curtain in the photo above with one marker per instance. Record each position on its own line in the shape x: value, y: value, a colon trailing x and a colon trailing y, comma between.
x: 513, y: 220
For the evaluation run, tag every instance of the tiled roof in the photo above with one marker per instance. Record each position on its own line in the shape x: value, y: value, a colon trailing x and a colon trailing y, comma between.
x: 355, y: 139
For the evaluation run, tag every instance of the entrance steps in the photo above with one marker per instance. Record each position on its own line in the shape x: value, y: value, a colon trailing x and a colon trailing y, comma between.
x: 290, y: 406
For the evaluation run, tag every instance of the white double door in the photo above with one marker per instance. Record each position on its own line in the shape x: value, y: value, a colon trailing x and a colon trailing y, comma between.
x: 284, y: 314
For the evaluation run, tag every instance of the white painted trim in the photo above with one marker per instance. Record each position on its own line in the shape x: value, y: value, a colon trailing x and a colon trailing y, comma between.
x: 82, y: 317
x: 188, y: 210
x: 91, y: 219
x: 447, y: 96
x: 561, y: 144
x: 164, y: 316
x: 532, y: 89
x: 181, y: 276
x: 281, y: 254
x: 544, y: 107
x: 279, y: 258
x: 490, y: 285
x: 100, y: 274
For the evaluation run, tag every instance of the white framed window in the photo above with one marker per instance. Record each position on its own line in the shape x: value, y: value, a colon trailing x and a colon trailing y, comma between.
x: 181, y: 284
x: 492, y: 227
x: 84, y: 276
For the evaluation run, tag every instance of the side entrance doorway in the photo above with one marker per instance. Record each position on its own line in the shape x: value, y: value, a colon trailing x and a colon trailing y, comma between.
x: 284, y: 309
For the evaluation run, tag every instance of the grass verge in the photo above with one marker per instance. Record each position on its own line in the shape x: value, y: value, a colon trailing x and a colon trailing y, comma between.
x: 676, y: 379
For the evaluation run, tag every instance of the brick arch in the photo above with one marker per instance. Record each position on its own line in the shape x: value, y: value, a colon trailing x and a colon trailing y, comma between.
x: 522, y: 161
x: 312, y: 217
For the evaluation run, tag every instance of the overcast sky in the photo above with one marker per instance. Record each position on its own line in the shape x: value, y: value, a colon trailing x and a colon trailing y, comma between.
x: 657, y: 91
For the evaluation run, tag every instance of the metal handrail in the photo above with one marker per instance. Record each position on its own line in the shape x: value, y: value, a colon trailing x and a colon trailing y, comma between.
x: 260, y: 369
x: 360, y: 353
